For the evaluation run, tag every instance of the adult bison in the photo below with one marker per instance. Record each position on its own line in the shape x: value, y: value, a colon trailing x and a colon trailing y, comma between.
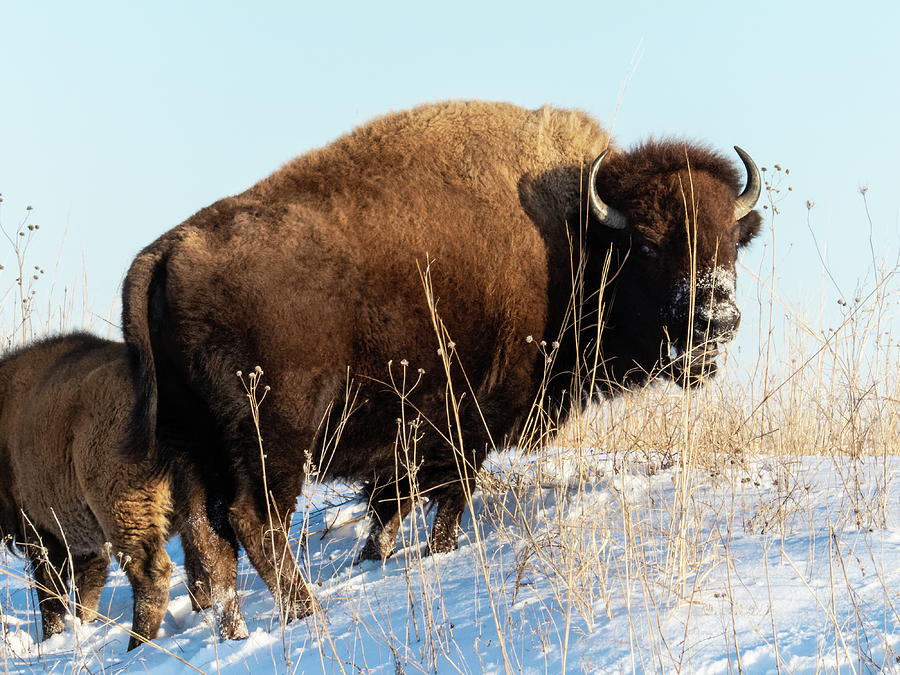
x: 522, y: 229
x: 67, y: 498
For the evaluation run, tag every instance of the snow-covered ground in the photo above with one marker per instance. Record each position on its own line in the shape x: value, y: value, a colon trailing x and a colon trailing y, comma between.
x: 605, y: 564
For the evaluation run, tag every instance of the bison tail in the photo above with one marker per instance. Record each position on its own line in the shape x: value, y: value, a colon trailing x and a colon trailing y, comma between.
x: 143, y: 284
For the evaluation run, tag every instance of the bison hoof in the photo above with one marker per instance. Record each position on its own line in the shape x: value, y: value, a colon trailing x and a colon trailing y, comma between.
x: 442, y: 545
x: 229, y: 620
x: 52, y: 624
x: 379, y: 546
x: 301, y: 608
x: 86, y: 614
x: 373, y: 551
x: 233, y: 629
x: 200, y: 597
x: 135, y: 641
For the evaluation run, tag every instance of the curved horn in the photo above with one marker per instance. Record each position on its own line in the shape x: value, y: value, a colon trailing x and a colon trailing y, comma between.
x: 748, y: 198
x: 603, y: 212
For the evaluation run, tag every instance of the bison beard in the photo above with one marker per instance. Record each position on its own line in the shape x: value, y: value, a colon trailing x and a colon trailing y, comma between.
x: 316, y: 274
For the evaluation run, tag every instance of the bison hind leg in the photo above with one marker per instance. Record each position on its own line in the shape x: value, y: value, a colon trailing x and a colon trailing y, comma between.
x: 210, y: 558
x: 197, y: 576
x: 268, y: 548
x: 90, y: 577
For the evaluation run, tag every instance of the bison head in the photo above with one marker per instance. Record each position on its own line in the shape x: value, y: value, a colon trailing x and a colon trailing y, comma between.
x: 675, y: 215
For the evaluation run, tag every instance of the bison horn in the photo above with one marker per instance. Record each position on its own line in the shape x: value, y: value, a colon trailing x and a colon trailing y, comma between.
x: 748, y: 198
x: 603, y: 212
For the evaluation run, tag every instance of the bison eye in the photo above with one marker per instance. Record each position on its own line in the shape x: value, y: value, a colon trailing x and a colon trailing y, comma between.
x: 647, y: 251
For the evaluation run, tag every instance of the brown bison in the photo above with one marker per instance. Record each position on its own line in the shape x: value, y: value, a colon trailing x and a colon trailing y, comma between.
x: 65, y: 491
x: 536, y: 247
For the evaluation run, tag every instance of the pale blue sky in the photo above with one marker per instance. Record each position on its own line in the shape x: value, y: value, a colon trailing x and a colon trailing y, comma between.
x: 119, y: 120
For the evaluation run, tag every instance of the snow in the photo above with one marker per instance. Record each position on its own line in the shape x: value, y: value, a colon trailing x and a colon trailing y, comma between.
x: 583, y: 561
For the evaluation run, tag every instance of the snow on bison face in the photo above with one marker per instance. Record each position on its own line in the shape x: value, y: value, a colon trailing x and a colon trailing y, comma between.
x: 703, y: 315
x: 680, y: 222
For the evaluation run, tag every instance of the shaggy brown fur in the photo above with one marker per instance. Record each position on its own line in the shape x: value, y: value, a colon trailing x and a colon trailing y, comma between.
x: 65, y: 491
x: 314, y: 274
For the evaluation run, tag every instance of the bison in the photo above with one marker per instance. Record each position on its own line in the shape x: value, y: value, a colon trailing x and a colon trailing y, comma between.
x: 459, y: 262
x: 67, y: 497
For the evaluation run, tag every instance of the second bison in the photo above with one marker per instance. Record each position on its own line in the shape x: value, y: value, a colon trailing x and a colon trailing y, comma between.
x: 68, y: 498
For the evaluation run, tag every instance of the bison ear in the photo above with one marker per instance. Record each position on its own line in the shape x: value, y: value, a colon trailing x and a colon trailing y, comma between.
x: 750, y: 226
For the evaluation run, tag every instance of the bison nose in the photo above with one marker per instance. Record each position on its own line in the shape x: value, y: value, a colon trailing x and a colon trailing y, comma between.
x: 719, y: 322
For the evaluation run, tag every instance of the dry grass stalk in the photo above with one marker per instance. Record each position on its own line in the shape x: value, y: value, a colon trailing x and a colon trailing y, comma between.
x: 569, y: 525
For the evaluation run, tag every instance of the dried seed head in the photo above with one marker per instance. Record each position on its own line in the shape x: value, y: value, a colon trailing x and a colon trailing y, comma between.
x: 239, y: 373
x: 529, y: 339
x: 404, y: 363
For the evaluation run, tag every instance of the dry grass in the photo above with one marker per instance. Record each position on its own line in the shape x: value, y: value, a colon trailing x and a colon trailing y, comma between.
x: 582, y: 531
x: 37, y: 304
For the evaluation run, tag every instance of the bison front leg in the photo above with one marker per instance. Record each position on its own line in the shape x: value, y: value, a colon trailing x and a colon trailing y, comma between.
x: 452, y: 498
x: 386, y: 509
x: 48, y: 562
x: 452, y: 487
x: 263, y: 533
x: 136, y: 521
x: 451, y: 504
x: 90, y: 577
x: 149, y: 570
